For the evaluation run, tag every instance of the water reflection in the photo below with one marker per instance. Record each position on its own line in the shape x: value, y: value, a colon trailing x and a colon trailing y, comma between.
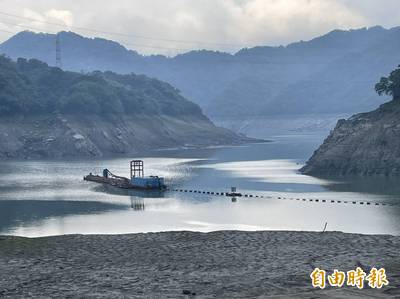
x: 367, y: 185
x: 108, y: 189
x: 137, y: 203
x: 50, y: 198
x: 14, y: 213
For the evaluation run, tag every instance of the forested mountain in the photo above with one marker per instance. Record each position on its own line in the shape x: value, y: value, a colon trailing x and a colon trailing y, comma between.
x: 31, y: 87
x: 47, y: 112
x: 329, y: 74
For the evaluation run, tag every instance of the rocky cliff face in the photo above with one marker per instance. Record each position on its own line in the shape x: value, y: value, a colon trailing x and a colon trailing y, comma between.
x: 69, y: 136
x: 365, y: 144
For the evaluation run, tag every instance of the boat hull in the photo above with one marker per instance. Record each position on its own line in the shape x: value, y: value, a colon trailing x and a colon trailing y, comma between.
x: 128, y: 184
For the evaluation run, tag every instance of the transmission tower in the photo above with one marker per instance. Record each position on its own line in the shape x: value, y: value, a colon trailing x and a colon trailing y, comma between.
x: 58, y: 52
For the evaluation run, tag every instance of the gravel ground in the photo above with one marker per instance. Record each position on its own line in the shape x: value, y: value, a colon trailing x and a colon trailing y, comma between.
x: 225, y: 264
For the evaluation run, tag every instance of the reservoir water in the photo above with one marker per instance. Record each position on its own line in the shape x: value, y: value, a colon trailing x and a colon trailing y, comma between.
x: 40, y: 198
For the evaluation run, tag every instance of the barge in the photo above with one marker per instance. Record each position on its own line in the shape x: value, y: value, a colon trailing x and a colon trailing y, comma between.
x: 137, y: 178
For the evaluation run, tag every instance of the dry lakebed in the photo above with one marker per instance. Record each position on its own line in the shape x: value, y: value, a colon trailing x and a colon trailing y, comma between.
x: 223, y: 264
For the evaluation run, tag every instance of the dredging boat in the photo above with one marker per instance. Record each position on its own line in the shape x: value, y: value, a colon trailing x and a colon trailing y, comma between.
x: 136, y: 181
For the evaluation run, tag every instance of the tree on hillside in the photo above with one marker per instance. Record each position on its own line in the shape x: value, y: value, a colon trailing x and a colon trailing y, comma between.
x: 390, y: 85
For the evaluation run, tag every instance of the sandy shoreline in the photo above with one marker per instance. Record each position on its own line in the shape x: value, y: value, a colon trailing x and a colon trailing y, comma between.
x: 224, y: 264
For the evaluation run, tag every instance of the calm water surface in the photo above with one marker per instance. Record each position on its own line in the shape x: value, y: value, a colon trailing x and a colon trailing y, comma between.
x: 50, y: 198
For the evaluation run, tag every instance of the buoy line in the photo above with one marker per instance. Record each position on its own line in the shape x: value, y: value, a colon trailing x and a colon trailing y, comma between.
x: 300, y: 199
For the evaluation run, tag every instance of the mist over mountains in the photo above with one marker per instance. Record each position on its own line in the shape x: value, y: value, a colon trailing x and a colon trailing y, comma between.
x: 334, y: 73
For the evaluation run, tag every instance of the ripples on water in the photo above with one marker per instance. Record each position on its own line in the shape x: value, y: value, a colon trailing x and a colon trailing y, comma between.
x: 50, y: 198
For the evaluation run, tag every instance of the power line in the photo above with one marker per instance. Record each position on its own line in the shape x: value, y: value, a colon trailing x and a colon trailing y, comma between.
x: 175, y: 49
x: 7, y: 31
x: 26, y: 27
x: 125, y: 34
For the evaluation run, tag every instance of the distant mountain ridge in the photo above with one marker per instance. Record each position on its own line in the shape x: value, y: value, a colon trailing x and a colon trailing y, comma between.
x: 332, y: 73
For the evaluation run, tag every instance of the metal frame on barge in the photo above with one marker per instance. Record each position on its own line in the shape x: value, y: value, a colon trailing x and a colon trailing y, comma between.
x: 137, y: 180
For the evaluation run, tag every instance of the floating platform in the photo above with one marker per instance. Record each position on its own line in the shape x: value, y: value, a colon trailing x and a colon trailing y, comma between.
x: 137, y: 180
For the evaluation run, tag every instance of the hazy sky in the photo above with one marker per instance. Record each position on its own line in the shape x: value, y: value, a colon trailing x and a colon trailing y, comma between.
x: 172, y: 26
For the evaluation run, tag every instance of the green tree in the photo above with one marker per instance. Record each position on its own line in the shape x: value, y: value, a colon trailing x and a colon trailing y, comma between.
x: 390, y: 85
x: 31, y: 87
